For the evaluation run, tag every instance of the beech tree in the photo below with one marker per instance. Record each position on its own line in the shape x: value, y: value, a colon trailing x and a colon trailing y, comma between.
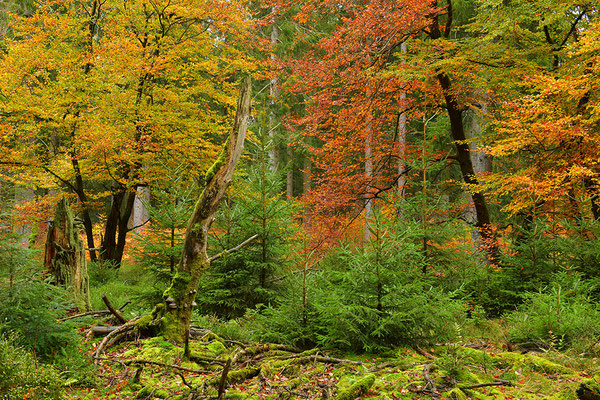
x: 98, y: 96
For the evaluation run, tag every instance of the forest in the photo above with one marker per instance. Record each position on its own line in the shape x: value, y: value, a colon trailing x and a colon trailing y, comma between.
x: 319, y: 199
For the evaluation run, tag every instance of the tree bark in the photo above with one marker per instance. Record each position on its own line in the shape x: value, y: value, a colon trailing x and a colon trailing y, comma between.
x: 85, y: 213
x: 401, y: 138
x: 65, y: 255
x: 455, y: 114
x: 289, y: 178
x: 117, y: 226
x: 274, y: 93
x: 173, y: 315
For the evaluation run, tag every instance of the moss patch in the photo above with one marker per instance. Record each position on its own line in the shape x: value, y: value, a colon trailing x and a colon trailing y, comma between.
x: 358, y: 388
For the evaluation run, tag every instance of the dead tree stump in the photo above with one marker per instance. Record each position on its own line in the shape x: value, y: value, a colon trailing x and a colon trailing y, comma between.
x: 65, y: 255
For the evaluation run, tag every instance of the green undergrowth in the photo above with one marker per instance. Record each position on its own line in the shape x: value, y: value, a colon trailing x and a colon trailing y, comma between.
x: 270, y: 371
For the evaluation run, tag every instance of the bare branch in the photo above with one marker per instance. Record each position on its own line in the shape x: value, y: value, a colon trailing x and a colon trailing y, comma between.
x: 233, y: 250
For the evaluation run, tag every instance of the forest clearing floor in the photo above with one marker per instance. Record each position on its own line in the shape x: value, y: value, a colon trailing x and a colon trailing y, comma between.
x: 154, y: 368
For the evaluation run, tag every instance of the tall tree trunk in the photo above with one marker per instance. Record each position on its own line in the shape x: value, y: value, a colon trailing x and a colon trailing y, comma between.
x: 306, y: 174
x: 140, y: 214
x: 117, y: 226
x: 482, y: 163
x: 274, y: 92
x: 455, y: 114
x: 85, y: 212
x: 401, y: 137
x: 289, y: 178
x: 173, y: 316
x: 65, y: 255
x: 369, y: 177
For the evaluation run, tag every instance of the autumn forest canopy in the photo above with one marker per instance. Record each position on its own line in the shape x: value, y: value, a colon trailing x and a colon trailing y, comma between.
x: 393, y: 199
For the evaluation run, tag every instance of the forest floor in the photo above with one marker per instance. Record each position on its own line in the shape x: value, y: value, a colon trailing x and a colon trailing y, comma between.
x: 154, y: 368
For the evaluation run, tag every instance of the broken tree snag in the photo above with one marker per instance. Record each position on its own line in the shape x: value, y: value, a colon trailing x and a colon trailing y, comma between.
x: 65, y: 255
x: 172, y: 317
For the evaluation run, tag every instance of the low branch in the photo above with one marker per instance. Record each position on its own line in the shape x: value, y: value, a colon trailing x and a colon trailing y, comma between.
x: 113, y: 310
x: 133, y: 228
x: 233, y: 250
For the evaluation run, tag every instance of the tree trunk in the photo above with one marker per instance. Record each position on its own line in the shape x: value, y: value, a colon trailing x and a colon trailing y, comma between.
x: 289, y: 178
x: 482, y: 163
x: 140, y: 214
x: 401, y: 138
x: 172, y: 317
x: 117, y: 226
x: 85, y: 213
x: 369, y: 176
x: 274, y: 93
x: 65, y: 255
x: 455, y: 114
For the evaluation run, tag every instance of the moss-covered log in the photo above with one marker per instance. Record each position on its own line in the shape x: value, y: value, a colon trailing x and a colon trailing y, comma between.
x: 65, y: 255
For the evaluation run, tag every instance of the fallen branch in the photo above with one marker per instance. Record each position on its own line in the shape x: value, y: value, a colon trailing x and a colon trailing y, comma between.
x: 233, y: 250
x: 495, y: 383
x: 113, y: 310
x: 104, y: 330
x: 90, y: 313
x: 177, y: 367
x: 223, y: 381
x: 123, y: 329
x: 85, y: 314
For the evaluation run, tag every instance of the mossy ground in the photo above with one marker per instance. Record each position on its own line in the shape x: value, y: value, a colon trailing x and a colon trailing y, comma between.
x: 454, y: 371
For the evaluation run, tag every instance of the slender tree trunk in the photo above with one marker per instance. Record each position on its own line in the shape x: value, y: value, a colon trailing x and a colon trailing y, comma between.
x: 289, y: 179
x: 117, y: 226
x: 369, y: 177
x: 306, y: 175
x: 85, y: 212
x: 482, y: 163
x: 140, y: 214
x: 173, y: 316
x: 274, y: 92
x: 401, y: 138
x: 455, y: 114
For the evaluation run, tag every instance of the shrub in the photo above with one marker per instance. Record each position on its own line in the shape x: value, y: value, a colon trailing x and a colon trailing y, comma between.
x: 21, y: 377
x: 367, y: 298
x: 561, y: 314
x: 29, y: 305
